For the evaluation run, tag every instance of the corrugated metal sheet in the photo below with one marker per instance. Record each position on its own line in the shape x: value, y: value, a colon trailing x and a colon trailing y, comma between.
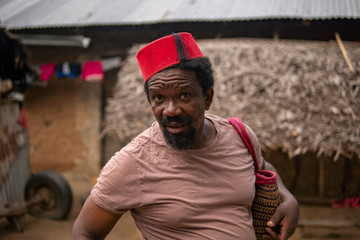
x: 19, y: 14
x: 14, y: 155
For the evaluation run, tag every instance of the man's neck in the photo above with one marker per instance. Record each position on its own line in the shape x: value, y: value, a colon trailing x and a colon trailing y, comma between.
x: 207, y: 136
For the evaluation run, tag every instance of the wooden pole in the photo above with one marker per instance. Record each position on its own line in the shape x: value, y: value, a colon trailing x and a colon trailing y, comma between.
x: 321, y: 177
x: 343, y: 50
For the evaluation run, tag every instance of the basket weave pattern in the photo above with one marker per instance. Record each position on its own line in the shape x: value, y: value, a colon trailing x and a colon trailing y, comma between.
x: 267, y: 199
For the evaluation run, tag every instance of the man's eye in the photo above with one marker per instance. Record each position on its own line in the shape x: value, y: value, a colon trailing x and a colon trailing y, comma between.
x: 184, y: 95
x: 158, y: 98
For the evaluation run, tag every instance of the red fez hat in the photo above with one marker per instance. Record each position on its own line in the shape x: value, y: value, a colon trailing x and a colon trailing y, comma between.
x: 167, y: 51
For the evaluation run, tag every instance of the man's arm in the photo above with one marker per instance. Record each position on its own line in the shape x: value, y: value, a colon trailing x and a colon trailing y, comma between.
x: 287, y: 214
x: 93, y: 222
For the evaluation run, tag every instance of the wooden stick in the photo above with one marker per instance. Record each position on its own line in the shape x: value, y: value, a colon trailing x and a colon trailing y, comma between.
x: 343, y: 50
x: 321, y: 177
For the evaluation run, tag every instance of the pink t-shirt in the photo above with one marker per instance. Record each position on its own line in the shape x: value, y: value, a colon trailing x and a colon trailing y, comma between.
x: 192, y: 194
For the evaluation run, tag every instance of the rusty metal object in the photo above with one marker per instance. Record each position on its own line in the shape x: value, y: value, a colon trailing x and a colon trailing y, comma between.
x: 14, y: 156
x: 17, y: 208
x: 15, y: 212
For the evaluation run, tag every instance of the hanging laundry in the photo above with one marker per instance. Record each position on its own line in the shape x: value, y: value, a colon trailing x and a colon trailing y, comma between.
x: 110, y: 63
x: 75, y: 69
x: 46, y: 70
x: 65, y: 70
x: 92, y: 71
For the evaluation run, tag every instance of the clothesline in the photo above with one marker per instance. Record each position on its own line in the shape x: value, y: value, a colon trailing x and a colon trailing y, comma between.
x: 89, y: 71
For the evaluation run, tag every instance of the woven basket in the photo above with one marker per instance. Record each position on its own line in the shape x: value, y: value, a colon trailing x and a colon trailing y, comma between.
x: 267, y: 199
x: 267, y: 196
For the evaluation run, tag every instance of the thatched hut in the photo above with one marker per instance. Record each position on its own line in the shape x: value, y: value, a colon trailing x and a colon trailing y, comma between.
x: 300, y: 98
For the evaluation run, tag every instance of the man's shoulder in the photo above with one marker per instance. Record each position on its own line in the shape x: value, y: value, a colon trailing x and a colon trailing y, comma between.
x: 221, y: 124
x: 223, y: 121
x: 144, y: 138
x: 137, y: 148
x: 216, y: 119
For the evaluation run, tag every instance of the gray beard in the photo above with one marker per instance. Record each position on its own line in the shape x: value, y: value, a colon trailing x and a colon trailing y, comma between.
x: 180, y: 141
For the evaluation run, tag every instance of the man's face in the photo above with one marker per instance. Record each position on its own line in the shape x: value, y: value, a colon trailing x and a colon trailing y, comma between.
x: 179, y: 105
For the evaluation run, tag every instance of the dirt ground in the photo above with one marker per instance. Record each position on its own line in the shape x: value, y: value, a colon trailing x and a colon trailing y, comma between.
x: 43, y: 229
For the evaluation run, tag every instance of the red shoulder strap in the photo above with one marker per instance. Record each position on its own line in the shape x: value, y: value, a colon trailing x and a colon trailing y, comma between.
x: 240, y: 129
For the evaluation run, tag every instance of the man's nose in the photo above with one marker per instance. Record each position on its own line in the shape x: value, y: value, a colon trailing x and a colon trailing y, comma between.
x: 171, y: 109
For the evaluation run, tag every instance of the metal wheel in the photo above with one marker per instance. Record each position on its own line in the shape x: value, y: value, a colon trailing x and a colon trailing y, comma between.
x: 55, y: 193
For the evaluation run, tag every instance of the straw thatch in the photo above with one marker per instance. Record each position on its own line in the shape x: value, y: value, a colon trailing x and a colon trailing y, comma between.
x: 297, y: 96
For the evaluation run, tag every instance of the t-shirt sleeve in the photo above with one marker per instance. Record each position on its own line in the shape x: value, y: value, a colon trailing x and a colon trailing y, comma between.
x: 117, y: 188
x: 256, y: 146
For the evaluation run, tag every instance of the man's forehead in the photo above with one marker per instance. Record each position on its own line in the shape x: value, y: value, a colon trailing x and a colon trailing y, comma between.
x: 173, y: 75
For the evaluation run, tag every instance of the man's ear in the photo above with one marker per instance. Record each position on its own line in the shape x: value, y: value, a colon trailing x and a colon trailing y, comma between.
x: 146, y: 90
x: 209, y: 98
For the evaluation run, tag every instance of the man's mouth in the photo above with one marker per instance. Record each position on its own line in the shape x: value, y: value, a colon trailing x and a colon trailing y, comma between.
x: 175, y: 128
x: 175, y: 125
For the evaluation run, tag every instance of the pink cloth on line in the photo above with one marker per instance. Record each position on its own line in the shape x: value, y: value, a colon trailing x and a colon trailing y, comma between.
x: 47, y: 70
x: 92, y: 71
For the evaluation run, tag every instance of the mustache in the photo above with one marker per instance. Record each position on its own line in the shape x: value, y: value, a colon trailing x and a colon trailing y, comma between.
x: 177, y: 119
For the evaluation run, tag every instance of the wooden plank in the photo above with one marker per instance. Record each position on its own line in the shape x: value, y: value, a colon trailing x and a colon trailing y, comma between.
x: 326, y: 223
x: 343, y: 50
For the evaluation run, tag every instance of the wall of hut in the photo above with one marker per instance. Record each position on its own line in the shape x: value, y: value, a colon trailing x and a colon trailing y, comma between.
x: 64, y: 117
x: 296, y: 95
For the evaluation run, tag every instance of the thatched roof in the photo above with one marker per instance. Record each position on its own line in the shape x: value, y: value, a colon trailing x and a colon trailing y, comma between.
x: 296, y: 95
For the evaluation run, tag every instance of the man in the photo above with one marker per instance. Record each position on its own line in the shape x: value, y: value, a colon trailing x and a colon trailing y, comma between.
x: 189, y: 176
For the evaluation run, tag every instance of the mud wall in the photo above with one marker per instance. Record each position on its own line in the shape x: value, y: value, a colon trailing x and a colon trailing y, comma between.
x: 309, y: 176
x: 64, y: 118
